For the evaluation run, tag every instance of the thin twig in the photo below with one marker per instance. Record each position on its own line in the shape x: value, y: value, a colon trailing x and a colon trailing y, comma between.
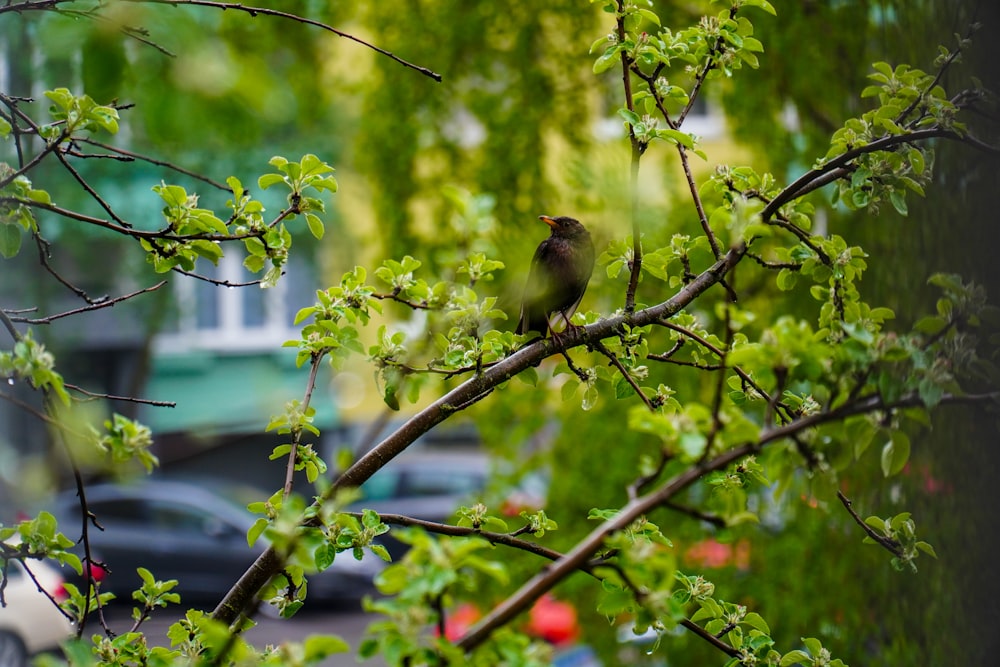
x: 890, y: 545
x: 129, y: 399
x: 254, y: 11
x: 95, y: 304
x: 744, y: 376
x: 720, y: 386
x: 297, y: 431
x: 131, y: 155
x: 637, y: 149
x: 694, y: 513
x: 698, y: 206
x: 43, y: 258
x: 635, y: 488
x: 616, y: 362
x: 90, y: 190
x: 216, y: 281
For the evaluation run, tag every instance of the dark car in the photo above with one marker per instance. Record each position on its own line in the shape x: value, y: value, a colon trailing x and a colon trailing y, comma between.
x: 432, y: 485
x: 181, y: 531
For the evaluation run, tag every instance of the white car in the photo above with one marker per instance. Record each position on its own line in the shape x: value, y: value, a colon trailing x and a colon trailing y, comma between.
x: 30, y: 623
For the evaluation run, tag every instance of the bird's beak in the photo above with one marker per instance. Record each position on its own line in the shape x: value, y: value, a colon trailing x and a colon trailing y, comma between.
x: 547, y: 220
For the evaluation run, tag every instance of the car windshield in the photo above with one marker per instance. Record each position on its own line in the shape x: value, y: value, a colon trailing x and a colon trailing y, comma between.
x: 418, y: 481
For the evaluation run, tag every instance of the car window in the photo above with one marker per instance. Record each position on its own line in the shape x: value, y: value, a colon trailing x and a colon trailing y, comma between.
x: 125, y: 510
x: 179, y: 518
x: 439, y: 482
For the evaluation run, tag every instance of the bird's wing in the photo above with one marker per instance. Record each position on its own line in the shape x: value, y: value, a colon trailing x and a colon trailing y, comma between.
x: 532, y: 319
x: 538, y: 290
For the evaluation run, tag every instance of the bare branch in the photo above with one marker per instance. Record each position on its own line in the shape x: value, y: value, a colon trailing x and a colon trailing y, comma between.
x: 128, y: 399
x: 890, y: 545
x: 216, y: 281
x: 602, y: 348
x: 263, y: 11
x: 131, y: 155
x: 93, y: 305
x: 297, y: 430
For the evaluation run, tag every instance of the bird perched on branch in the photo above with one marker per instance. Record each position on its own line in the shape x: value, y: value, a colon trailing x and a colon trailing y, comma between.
x: 558, y: 278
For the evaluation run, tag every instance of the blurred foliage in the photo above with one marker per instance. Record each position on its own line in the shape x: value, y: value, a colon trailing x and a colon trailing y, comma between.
x: 458, y: 171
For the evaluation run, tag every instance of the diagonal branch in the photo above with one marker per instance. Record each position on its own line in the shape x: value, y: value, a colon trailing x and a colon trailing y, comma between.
x: 890, y: 545
x: 616, y: 362
x: 466, y: 394
x: 476, y: 388
x: 578, y: 556
x: 803, y: 184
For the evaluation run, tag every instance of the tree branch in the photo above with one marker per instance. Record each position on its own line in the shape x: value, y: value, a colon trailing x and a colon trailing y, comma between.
x: 602, y: 348
x: 130, y: 155
x: 95, y: 305
x: 892, y: 546
x: 576, y: 558
x: 254, y: 11
x: 802, y: 184
x: 466, y: 394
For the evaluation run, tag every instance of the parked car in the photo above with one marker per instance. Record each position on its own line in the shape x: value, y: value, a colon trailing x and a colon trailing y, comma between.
x: 425, y: 485
x: 432, y: 484
x: 30, y: 623
x: 182, y: 531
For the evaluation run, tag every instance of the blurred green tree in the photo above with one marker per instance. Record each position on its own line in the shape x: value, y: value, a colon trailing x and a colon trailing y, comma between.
x: 728, y: 352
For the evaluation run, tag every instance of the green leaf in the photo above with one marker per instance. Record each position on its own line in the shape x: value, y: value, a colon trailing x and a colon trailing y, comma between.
x: 325, y: 555
x: 607, y: 60
x: 631, y: 117
x: 10, y: 240
x: 755, y: 620
x: 677, y: 137
x: 916, y: 160
x: 267, y: 180
x: 528, y: 376
x: 898, y: 200
x: 931, y: 324
x: 315, y: 225
x: 381, y: 552
x: 650, y: 16
x: 786, y: 279
x: 878, y: 523
x: 895, y: 453
x: 622, y: 388
x: 146, y: 576
x: 256, y: 530
x: 762, y: 4
x: 813, y: 645
x: 318, y: 647
x: 795, y: 657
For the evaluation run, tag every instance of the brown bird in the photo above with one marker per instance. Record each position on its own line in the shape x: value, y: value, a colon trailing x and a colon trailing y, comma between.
x: 558, y: 277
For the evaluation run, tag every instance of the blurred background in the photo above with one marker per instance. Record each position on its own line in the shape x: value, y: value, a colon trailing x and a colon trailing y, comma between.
x: 519, y: 127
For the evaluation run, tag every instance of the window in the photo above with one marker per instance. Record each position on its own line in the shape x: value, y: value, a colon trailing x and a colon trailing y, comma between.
x: 211, y: 316
x: 124, y: 510
x: 176, y: 518
x: 440, y: 482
